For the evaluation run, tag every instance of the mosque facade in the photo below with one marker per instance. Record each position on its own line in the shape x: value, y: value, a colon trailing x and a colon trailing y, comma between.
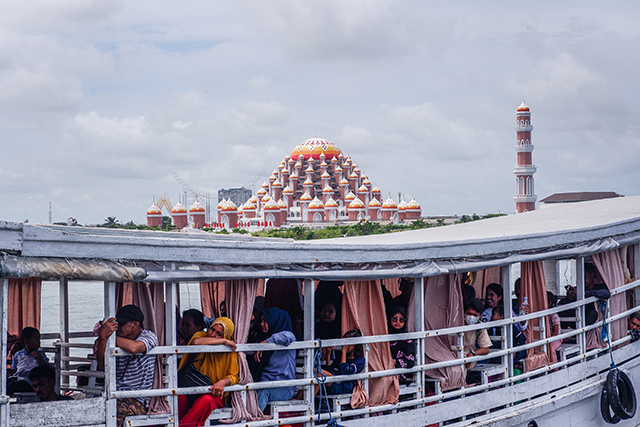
x: 315, y: 184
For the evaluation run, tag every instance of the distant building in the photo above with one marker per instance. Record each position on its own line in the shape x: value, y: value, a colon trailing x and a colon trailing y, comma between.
x: 578, y: 197
x: 237, y: 195
x: 525, y: 197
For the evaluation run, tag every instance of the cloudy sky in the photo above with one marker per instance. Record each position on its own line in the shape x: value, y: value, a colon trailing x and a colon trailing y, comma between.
x: 102, y: 102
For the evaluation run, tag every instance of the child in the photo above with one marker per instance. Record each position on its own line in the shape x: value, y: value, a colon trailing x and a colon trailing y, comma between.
x: 25, y: 360
x: 518, y: 337
x: 352, y: 362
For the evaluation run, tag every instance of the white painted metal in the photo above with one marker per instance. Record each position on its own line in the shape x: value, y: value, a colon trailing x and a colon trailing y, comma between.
x: 171, y: 298
x: 64, y: 332
x: 4, y: 400
x: 110, y: 362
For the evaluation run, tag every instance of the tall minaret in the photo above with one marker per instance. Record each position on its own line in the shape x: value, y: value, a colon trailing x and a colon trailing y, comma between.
x: 525, y: 198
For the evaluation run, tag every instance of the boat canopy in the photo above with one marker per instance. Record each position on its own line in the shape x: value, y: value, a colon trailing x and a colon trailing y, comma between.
x: 561, y: 231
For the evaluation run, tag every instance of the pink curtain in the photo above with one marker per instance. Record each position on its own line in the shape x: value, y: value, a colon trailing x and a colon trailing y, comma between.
x: 211, y: 295
x: 240, y: 298
x: 363, y: 308
x: 392, y: 286
x: 23, y: 304
x: 443, y: 309
x: 533, y: 286
x: 485, y: 277
x: 609, y: 265
x: 149, y: 297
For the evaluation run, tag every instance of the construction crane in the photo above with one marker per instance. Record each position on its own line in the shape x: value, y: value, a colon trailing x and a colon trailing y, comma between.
x: 251, y: 184
x: 164, y: 202
x: 196, y: 194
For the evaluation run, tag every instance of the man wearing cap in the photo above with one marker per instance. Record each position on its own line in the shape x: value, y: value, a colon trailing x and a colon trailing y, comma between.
x: 134, y: 371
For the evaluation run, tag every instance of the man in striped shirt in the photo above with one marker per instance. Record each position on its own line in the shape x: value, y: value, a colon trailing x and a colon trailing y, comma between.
x: 134, y: 371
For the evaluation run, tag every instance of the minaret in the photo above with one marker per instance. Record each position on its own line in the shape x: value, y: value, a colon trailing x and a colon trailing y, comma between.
x: 525, y: 198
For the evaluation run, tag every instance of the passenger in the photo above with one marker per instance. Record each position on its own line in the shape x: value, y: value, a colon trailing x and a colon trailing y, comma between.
x: 24, y: 361
x: 402, y: 351
x: 476, y: 343
x: 634, y: 326
x: 554, y: 319
x: 352, y: 362
x: 518, y: 337
x: 593, y: 289
x: 493, y: 298
x: 468, y: 291
x: 281, y: 365
x: 223, y: 308
x: 192, y: 322
x: 43, y: 379
x: 134, y: 371
x: 405, y: 285
x: 329, y: 325
x: 221, y: 368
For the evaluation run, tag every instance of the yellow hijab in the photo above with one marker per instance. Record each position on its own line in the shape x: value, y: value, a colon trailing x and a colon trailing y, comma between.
x: 227, y: 324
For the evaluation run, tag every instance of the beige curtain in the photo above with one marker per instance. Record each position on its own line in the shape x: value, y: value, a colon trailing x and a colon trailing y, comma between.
x: 484, y: 278
x: 23, y: 304
x: 443, y: 309
x: 362, y: 307
x: 392, y: 286
x: 241, y: 295
x: 533, y: 286
x: 609, y: 265
x: 211, y: 295
x: 149, y: 297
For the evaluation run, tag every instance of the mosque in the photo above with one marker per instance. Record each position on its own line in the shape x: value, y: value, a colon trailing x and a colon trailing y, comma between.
x: 315, y: 184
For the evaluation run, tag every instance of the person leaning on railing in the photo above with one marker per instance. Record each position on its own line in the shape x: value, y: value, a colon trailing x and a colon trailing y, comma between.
x: 133, y: 371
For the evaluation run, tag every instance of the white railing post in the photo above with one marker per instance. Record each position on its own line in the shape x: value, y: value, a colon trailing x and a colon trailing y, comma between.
x: 4, y: 405
x: 64, y: 331
x: 309, y: 335
x: 111, y: 410
x: 171, y: 339
x: 365, y: 382
x: 580, y: 322
x: 418, y: 299
x: 636, y: 261
x: 507, y: 332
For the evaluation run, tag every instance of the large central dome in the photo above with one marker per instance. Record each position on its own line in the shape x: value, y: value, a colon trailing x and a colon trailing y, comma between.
x: 314, y: 147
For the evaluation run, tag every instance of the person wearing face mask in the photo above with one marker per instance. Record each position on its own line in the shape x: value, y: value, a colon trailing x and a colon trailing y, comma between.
x: 476, y: 343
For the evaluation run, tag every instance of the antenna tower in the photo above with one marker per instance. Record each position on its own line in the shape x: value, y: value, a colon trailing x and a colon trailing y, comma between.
x: 196, y: 194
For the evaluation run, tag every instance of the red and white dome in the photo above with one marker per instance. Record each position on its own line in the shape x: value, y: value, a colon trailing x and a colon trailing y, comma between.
x: 271, y: 205
x: 154, y: 210
x: 375, y: 190
x: 314, y: 147
x: 327, y: 190
x: 325, y: 175
x: 305, y: 197
x: 344, y: 181
x: 353, y: 175
x: 287, y: 190
x: 413, y: 205
x: 229, y: 206
x: 265, y: 185
x: 253, y: 200
x: 277, y: 184
x: 282, y: 204
x: 266, y: 198
x: 523, y: 107
x: 260, y: 193
x: 179, y: 209
x: 196, y: 207
x: 389, y: 204
x: 356, y: 204
x: 402, y: 206
x: 363, y: 189
x: 316, y: 204
x: 331, y: 203
x: 375, y: 203
x: 350, y: 196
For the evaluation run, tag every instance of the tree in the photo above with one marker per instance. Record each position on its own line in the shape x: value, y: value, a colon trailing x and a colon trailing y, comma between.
x: 111, y: 222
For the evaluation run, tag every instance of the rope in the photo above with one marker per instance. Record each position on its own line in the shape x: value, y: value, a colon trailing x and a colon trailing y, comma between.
x: 605, y: 330
x: 321, y: 378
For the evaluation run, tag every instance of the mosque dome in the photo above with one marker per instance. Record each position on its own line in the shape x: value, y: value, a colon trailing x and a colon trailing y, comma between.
x: 366, y: 181
x: 293, y: 175
x: 265, y: 184
x: 307, y: 181
x: 323, y: 164
x: 154, y: 210
x: 374, y: 203
x: 413, y: 205
x: 316, y: 204
x: 178, y: 209
x: 363, y: 189
x: 325, y: 175
x: 305, y: 197
x: 248, y: 206
x: 271, y: 205
x: 389, y: 204
x: 240, y: 210
x: 273, y: 177
x: 402, y: 206
x: 282, y: 204
x: 196, y: 207
x: 375, y: 190
x: 331, y: 203
x: 261, y: 192
x: 277, y: 184
x: 314, y: 147
x: 356, y: 204
x: 344, y: 181
x: 266, y: 198
x: 338, y: 169
x: 350, y: 196
x: 253, y: 200
x: 287, y: 190
x: 353, y: 175
x: 523, y: 107
x: 229, y: 206
x: 327, y: 189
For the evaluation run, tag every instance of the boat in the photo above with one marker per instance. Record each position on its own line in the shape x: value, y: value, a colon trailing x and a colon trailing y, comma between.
x: 551, y: 390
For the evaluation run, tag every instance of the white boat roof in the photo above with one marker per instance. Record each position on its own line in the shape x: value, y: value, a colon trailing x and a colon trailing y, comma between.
x: 559, y: 231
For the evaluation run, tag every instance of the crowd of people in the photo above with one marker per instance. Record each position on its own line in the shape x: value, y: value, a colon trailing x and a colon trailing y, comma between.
x: 32, y: 372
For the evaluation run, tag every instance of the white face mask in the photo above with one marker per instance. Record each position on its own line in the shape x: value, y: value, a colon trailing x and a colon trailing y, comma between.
x: 471, y: 320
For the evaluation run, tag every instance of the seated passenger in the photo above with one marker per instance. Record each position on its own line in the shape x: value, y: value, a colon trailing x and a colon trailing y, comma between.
x: 352, y: 362
x: 554, y: 319
x: 329, y: 326
x: 493, y: 298
x: 634, y: 326
x: 402, y: 351
x: 24, y: 361
x: 43, y: 379
x: 192, y: 321
x: 593, y: 289
x: 476, y: 343
x: 221, y: 368
x: 281, y: 364
x: 134, y: 371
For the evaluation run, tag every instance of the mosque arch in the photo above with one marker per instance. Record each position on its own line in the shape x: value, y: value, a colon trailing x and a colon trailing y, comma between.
x: 271, y: 218
x: 317, y: 217
x: 332, y: 214
x: 225, y: 221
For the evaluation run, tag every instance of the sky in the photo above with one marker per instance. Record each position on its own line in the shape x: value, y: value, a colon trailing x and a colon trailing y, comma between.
x: 103, y: 101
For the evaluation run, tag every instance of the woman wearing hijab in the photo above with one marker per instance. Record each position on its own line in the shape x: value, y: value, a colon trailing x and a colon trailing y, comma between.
x: 403, y: 352
x: 276, y: 324
x: 221, y: 368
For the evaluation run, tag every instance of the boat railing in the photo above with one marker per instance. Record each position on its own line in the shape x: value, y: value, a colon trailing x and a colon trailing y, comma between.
x: 310, y: 346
